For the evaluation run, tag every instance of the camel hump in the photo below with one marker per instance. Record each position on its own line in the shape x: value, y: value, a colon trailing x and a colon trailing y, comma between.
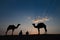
x: 41, y: 24
x: 11, y: 25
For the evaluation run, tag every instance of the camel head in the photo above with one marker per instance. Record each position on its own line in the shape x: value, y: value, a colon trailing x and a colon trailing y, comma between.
x: 34, y: 25
x: 18, y: 25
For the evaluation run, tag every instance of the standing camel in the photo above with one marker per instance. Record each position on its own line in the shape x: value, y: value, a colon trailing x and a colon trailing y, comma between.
x: 40, y: 25
x: 12, y: 27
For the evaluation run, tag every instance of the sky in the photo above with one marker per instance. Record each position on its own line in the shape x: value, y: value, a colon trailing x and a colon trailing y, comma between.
x: 24, y: 11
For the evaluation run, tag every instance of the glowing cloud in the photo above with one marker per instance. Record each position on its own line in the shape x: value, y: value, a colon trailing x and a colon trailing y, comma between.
x: 39, y: 19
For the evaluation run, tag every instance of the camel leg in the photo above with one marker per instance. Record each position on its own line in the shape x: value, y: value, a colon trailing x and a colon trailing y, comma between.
x: 45, y: 29
x: 38, y: 31
x: 6, y: 32
x: 12, y: 32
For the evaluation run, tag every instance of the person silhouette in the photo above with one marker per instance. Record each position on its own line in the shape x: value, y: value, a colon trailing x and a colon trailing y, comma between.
x: 27, y: 33
x: 20, y: 32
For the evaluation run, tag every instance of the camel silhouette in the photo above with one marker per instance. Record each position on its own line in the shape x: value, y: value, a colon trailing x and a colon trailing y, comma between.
x: 12, y: 27
x: 40, y: 25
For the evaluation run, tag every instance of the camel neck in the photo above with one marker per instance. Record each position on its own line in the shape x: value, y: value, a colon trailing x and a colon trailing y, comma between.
x: 35, y: 26
x: 17, y: 25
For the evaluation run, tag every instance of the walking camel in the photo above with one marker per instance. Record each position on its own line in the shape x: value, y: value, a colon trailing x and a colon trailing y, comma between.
x: 40, y: 25
x: 12, y: 27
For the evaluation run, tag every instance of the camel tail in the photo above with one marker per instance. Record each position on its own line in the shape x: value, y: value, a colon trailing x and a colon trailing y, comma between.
x: 6, y: 32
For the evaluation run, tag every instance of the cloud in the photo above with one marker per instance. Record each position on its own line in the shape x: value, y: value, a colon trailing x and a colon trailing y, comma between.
x: 40, y: 19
